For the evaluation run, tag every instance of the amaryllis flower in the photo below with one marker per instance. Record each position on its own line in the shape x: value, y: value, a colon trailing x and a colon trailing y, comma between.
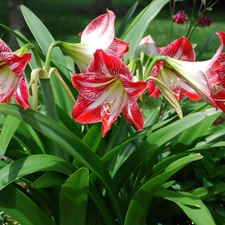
x: 180, y: 17
x: 12, y: 79
x: 207, y: 78
x: 106, y: 90
x: 99, y: 34
x: 218, y: 85
x: 181, y: 49
x: 204, y: 21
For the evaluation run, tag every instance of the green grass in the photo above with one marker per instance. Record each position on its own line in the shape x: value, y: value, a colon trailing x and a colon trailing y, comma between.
x: 65, y: 21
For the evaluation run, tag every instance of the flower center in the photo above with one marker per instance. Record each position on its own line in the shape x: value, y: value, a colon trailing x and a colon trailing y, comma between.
x: 216, y: 88
x: 114, y: 101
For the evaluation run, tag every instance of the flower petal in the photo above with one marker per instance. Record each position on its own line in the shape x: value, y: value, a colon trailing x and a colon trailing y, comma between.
x: 180, y: 49
x: 147, y: 45
x: 194, y: 74
x: 100, y: 31
x: 16, y: 63
x: 177, y: 85
x: 8, y: 83
x: 133, y: 115
x: 4, y: 47
x: 133, y: 89
x: 84, y: 113
x: 12, y: 79
x: 119, y: 47
x: 108, y: 64
x: 22, y: 94
x: 91, y: 85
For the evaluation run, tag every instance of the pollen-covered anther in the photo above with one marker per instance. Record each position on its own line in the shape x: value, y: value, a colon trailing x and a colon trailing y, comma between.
x: 216, y: 88
x: 107, y: 108
x: 2, y: 86
x: 174, y: 82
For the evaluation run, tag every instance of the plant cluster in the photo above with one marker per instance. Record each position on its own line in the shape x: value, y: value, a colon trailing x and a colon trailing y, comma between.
x: 81, y: 142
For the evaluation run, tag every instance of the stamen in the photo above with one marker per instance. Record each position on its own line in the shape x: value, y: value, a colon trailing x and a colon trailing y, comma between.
x: 216, y: 88
x: 107, y: 108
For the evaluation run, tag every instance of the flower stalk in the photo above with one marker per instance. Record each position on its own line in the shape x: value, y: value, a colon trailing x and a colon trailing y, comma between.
x: 49, y: 53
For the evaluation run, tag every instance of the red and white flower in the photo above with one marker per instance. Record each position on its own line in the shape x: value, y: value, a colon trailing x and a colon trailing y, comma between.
x: 106, y: 90
x: 99, y: 34
x: 12, y: 79
x: 182, y: 50
x: 207, y: 78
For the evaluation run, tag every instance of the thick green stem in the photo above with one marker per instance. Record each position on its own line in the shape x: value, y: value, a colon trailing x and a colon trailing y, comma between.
x: 37, y: 58
x: 49, y: 54
x: 48, y: 96
x: 150, y: 64
x: 51, y: 111
x: 172, y: 8
x: 192, y: 15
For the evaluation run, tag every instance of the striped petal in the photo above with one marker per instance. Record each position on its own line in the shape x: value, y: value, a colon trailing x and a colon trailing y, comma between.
x: 194, y: 73
x: 180, y: 49
x: 12, y: 79
x: 109, y: 65
x: 99, y: 34
x: 119, y: 47
x: 178, y: 86
x: 100, y: 31
x: 106, y: 91
x: 205, y: 77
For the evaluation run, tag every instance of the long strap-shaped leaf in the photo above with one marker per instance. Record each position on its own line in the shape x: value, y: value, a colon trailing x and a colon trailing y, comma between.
x: 73, y: 198
x: 194, y: 208
x: 45, y: 39
x: 70, y: 143
x: 9, y: 127
x: 190, y: 137
x: 31, y: 164
x: 137, y: 210
x: 21, y: 208
x: 137, y: 28
x: 151, y: 146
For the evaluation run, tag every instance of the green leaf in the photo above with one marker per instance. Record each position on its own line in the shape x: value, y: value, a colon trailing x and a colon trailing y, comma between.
x: 31, y: 139
x: 126, y: 19
x: 215, y: 135
x: 32, y: 164
x: 103, y: 204
x: 179, y: 197
x: 207, y: 193
x: 191, y: 135
x: 45, y: 39
x: 73, y: 198
x: 137, y: 210
x: 88, y: 139
x: 49, y: 179
x: 207, y: 43
x: 150, y: 148
x: 9, y: 127
x: 194, y: 208
x: 137, y: 28
x: 21, y: 208
x: 70, y: 143
x: 198, y: 216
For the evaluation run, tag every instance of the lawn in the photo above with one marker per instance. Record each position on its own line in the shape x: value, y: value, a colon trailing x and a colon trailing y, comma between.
x: 65, y: 19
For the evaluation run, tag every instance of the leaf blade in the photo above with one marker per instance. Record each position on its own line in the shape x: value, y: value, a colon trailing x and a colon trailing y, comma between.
x: 73, y: 198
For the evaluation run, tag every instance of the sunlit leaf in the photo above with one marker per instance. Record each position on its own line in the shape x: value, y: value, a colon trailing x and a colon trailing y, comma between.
x: 137, y: 210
